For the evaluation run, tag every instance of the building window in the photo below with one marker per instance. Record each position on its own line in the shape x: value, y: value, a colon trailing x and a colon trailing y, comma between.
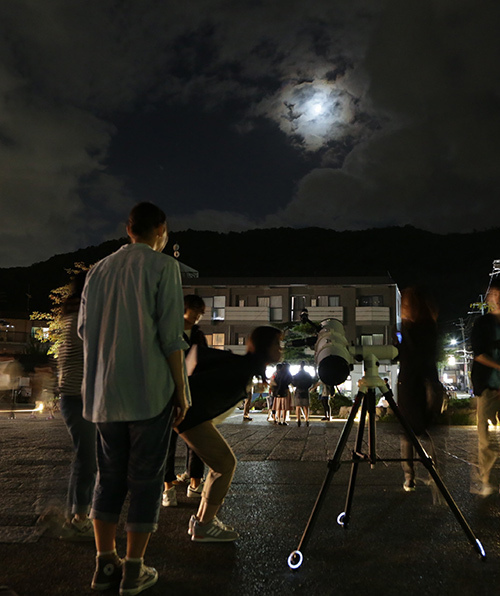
x: 240, y: 340
x: 328, y: 301
x: 374, y: 339
x: 371, y: 300
x: 241, y: 302
x: 314, y: 302
x: 276, y: 313
x: 218, y: 341
x: 216, y: 305
x: 263, y: 301
x: 41, y: 333
x: 298, y: 305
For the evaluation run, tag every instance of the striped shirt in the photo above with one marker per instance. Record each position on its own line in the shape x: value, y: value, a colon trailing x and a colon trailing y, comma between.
x: 70, y: 358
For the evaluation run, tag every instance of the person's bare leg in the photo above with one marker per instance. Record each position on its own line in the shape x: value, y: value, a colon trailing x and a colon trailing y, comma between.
x: 105, y: 536
x: 136, y: 544
x: 207, y: 512
x: 195, y: 482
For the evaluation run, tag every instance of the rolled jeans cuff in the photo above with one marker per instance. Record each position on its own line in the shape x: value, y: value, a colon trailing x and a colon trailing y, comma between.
x: 111, y: 518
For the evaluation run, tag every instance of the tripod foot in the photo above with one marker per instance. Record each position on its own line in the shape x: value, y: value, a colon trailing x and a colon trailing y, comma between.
x: 480, y: 550
x: 295, y: 559
x: 340, y: 519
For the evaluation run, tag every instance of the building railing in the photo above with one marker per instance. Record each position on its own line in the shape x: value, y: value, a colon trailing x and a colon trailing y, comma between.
x: 319, y: 313
x: 373, y: 314
x: 248, y: 313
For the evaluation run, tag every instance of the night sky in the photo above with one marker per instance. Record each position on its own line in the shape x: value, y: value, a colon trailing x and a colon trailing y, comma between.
x: 234, y: 115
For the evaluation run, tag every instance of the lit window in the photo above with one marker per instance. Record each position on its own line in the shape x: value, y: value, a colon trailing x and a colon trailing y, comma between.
x: 218, y: 340
x: 216, y: 305
x: 276, y: 313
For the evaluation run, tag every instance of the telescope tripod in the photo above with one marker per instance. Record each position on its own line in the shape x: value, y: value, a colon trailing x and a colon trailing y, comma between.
x: 366, y: 400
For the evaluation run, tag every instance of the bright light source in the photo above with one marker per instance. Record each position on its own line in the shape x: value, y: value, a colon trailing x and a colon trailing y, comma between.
x: 453, y: 342
x: 452, y: 360
x: 317, y: 109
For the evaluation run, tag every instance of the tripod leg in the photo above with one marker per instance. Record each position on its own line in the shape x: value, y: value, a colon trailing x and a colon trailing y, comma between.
x: 296, y: 558
x: 431, y: 468
x: 343, y: 518
x: 372, y: 435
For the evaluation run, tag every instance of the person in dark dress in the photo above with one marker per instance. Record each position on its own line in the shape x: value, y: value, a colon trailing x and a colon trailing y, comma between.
x: 209, y: 401
x: 419, y: 389
x: 302, y: 382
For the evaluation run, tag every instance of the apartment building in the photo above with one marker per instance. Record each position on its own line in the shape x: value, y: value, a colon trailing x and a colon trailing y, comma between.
x: 368, y: 307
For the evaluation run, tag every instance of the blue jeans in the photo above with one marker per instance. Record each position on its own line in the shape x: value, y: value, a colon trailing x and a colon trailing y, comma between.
x: 131, y: 458
x: 84, y: 466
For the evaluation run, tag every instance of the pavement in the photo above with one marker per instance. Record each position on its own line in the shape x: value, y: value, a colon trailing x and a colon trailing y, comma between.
x: 396, y: 543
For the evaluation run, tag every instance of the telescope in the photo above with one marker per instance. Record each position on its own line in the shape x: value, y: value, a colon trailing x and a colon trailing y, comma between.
x: 333, y: 355
x: 334, y: 360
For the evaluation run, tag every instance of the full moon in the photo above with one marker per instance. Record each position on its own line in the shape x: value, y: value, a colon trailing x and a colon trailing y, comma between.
x: 317, y: 109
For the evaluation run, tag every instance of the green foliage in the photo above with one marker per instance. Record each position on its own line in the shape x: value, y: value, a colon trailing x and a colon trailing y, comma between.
x: 294, y: 355
x: 54, y: 317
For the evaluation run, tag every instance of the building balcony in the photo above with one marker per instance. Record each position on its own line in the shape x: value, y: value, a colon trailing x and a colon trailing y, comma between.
x: 236, y: 349
x: 373, y: 314
x: 319, y: 313
x: 250, y: 314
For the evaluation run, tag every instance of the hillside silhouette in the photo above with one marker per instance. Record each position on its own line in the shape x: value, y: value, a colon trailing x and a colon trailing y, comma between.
x: 455, y: 267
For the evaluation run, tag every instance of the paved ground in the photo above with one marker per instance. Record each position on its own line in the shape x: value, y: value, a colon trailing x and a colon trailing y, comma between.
x: 396, y: 542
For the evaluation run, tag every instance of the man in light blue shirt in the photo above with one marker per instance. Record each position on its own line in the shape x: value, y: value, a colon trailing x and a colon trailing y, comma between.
x: 135, y: 385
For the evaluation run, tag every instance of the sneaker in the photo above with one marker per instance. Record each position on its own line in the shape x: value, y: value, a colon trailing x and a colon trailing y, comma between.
x: 108, y: 572
x: 247, y: 418
x: 298, y: 423
x: 214, y: 531
x: 137, y: 578
x: 169, y: 498
x: 487, y: 490
x: 184, y: 477
x: 78, y: 531
x: 216, y: 519
x: 307, y: 422
x: 195, y: 492
x: 409, y: 486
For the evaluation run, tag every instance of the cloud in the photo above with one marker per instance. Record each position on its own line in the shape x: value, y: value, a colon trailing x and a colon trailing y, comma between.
x: 399, y: 99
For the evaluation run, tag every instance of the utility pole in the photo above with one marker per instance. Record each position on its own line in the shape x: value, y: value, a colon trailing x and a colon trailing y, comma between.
x: 465, y: 353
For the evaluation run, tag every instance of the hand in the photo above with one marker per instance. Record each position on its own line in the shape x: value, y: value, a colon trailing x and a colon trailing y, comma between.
x: 180, y: 406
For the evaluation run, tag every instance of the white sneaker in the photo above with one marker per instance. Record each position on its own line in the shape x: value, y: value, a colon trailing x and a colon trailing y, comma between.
x: 216, y: 521
x: 75, y: 531
x: 169, y: 497
x: 184, y: 477
x: 214, y: 531
x: 195, y: 492
x: 487, y: 490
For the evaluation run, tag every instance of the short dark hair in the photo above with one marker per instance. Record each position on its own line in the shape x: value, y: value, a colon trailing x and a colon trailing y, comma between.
x: 144, y: 217
x: 194, y: 302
